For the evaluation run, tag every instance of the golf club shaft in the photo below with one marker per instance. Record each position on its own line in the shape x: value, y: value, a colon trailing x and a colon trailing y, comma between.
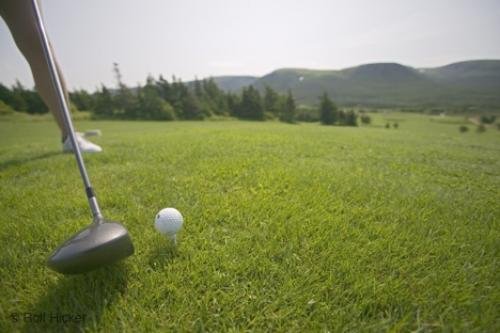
x: 63, y: 105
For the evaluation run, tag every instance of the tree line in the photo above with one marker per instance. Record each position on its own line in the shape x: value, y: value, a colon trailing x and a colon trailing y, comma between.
x: 161, y: 99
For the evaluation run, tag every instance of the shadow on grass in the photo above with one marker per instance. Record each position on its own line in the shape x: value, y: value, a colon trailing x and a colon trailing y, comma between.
x: 76, y: 303
x: 21, y: 161
x: 164, y: 252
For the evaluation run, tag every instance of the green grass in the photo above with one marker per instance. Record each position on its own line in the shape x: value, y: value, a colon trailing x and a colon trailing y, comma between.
x: 290, y: 228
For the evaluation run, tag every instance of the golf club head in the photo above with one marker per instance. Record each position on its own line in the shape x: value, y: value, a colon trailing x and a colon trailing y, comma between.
x: 99, y: 244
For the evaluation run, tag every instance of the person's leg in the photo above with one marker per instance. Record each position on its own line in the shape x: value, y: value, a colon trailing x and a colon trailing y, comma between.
x: 20, y: 18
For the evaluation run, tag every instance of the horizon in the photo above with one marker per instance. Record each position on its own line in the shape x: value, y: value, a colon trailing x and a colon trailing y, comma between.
x: 265, y: 74
x: 192, y: 39
x: 340, y: 69
x: 371, y: 63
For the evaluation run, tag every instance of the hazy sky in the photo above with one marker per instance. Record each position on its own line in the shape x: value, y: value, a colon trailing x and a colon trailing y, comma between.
x: 201, y: 38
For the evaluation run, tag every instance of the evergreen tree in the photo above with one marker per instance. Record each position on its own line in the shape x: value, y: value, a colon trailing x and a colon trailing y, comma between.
x: 22, y: 99
x: 205, y: 98
x: 178, y: 96
x: 103, y: 103
x: 214, y: 98
x: 125, y: 102
x: 351, y: 118
x: 82, y: 100
x: 17, y: 98
x: 341, y: 119
x: 328, y: 111
x: 198, y: 91
x: 150, y: 104
x: 232, y: 102
x: 210, y: 88
x: 191, y: 107
x: 288, y: 109
x: 34, y: 103
x: 251, y: 104
x: 164, y: 89
x: 5, y: 95
x: 271, y: 101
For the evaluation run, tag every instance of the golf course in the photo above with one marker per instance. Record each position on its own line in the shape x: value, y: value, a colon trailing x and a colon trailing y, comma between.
x: 287, y: 227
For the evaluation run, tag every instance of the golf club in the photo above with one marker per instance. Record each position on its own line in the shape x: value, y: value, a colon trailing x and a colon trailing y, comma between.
x: 103, y: 242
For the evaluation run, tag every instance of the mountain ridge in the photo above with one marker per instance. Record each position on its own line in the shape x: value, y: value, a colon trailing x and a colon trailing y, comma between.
x: 464, y: 83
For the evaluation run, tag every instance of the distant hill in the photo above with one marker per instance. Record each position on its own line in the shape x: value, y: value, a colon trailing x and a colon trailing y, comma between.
x: 234, y: 83
x: 479, y: 74
x: 465, y: 69
x: 469, y: 83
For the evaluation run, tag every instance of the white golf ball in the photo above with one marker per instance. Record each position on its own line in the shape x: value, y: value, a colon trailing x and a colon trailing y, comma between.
x: 169, y: 221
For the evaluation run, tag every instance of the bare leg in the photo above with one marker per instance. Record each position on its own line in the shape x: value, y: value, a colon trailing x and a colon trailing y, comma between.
x: 19, y: 16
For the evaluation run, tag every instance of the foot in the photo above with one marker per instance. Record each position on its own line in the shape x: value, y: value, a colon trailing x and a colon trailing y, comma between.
x: 84, y: 145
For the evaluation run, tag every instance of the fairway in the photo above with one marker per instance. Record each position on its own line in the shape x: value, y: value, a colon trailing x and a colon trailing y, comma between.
x: 288, y: 228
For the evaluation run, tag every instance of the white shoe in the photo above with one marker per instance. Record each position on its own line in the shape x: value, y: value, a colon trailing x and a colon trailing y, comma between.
x: 84, y: 145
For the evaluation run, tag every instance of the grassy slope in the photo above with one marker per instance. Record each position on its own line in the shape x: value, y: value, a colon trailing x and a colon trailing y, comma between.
x: 288, y: 228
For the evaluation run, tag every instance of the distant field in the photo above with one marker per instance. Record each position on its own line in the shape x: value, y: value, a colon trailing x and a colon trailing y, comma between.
x: 290, y: 228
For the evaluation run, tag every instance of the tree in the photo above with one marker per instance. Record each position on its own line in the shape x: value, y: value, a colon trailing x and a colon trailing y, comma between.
x: 151, y: 106
x: 484, y: 119
x: 213, y: 98
x: 179, y: 98
x: 5, y: 95
x: 17, y: 98
x: 366, y: 119
x: 34, y: 103
x: 307, y: 114
x: 103, y: 105
x: 288, y: 110
x: 351, y: 118
x: 164, y: 89
x: 5, y: 108
x: 251, y: 104
x: 191, y: 107
x: 82, y: 100
x: 341, y: 118
x: 327, y: 110
x: 22, y: 99
x: 271, y: 101
x: 233, y: 103
x: 198, y: 91
x: 125, y: 102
